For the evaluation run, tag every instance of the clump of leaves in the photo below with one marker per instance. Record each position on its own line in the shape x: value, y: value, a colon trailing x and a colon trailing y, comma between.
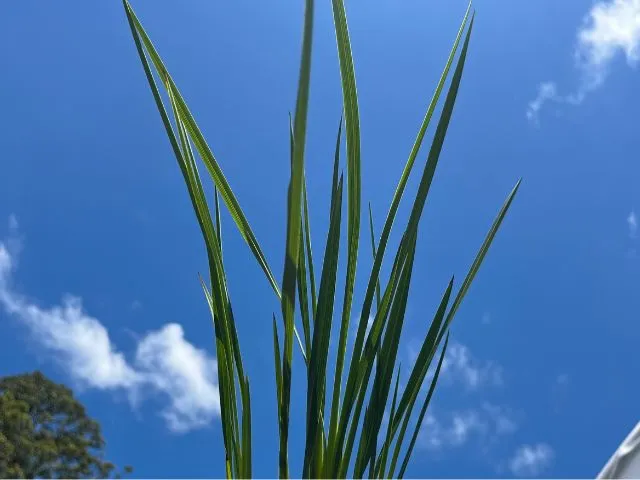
x: 346, y: 442
x: 46, y: 433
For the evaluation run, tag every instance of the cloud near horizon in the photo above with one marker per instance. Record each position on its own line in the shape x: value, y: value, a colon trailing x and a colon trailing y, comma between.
x: 609, y: 28
x: 531, y: 460
x: 165, y: 363
x: 454, y: 429
x: 480, y: 422
x: 461, y: 368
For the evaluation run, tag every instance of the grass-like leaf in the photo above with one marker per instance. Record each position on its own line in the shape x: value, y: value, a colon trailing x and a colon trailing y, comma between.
x: 141, y: 38
x: 475, y: 266
x: 294, y: 220
x: 328, y: 453
x: 386, y: 364
x: 352, y: 129
x: 386, y: 230
x: 423, y: 360
x: 309, y: 250
x: 373, y: 251
x: 423, y: 410
x: 423, y: 189
x: 246, y: 429
x: 381, y: 461
x: 365, y: 365
x: 321, y: 336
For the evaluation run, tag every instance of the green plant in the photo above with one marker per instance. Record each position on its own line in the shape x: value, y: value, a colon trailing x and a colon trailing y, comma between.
x: 356, y: 412
x: 46, y: 433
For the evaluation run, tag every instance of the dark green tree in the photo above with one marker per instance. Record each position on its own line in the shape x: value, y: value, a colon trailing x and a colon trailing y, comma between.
x: 46, y: 433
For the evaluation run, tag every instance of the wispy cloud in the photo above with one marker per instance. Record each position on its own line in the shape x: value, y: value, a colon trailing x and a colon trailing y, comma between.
x: 479, y: 423
x: 452, y: 431
x: 461, y: 366
x: 502, y: 418
x: 546, y: 91
x: 531, y: 460
x: 165, y: 363
x: 609, y: 28
x: 481, y: 420
x: 632, y: 224
x: 457, y: 428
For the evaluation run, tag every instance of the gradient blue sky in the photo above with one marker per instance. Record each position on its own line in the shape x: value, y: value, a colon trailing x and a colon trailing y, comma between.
x: 92, y: 204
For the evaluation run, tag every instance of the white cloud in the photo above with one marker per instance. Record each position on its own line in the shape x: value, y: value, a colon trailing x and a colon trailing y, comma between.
x: 454, y: 431
x: 481, y: 421
x: 531, y: 460
x: 546, y: 91
x: 501, y: 418
x: 165, y: 362
x: 184, y: 373
x: 461, y: 366
x: 609, y: 28
x: 81, y: 341
x: 632, y: 223
x: 462, y: 425
x: 457, y: 428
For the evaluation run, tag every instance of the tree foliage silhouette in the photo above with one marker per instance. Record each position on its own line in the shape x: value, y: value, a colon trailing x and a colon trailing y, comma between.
x: 46, y: 433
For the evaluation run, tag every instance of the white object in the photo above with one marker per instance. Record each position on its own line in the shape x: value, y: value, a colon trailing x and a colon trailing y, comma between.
x: 625, y: 462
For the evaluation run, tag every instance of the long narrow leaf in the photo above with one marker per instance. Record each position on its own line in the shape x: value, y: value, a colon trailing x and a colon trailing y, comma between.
x: 302, y: 271
x: 387, y: 359
x: 417, y: 376
x: 416, y: 431
x: 225, y: 327
x: 218, y: 220
x: 294, y: 219
x: 349, y: 397
x: 386, y: 230
x: 423, y: 360
x: 219, y: 297
x: 475, y: 266
x: 381, y: 461
x: 373, y: 251
x: 231, y: 445
x: 202, y: 147
x: 321, y: 334
x: 303, y: 297
x: 223, y: 380
x: 439, y: 137
x: 246, y: 429
x: 307, y: 238
x: 352, y: 128
x: 276, y: 352
x: 365, y: 366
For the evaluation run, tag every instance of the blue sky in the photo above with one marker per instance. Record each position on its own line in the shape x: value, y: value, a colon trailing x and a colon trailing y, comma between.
x: 100, y: 249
